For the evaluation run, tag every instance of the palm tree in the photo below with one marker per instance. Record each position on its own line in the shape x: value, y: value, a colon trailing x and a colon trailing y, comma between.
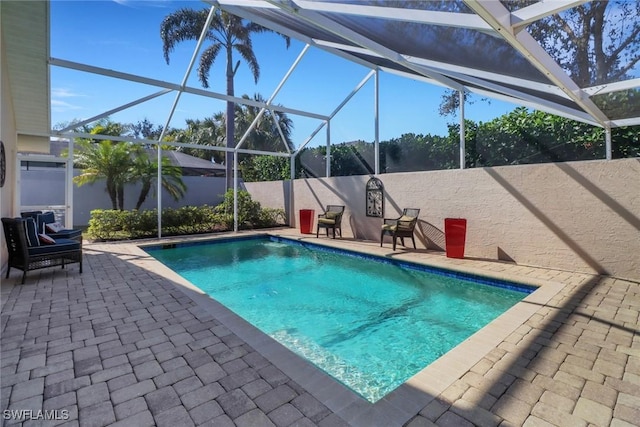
x: 144, y: 170
x: 265, y: 135
x: 104, y: 160
x: 203, y: 132
x: 120, y: 163
x: 226, y: 33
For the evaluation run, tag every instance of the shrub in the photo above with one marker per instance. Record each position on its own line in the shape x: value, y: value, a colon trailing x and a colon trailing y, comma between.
x: 110, y: 224
x: 188, y: 220
x: 270, y: 217
x: 107, y: 224
x: 248, y: 210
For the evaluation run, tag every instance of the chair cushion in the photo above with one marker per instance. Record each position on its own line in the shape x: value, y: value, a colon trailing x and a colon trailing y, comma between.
x: 327, y: 221
x: 30, y: 214
x: 53, y: 227
x: 407, y: 218
x: 62, y: 245
x: 46, y: 240
x: 389, y: 227
x: 45, y: 218
x: 31, y: 232
x: 66, y: 234
x: 331, y: 215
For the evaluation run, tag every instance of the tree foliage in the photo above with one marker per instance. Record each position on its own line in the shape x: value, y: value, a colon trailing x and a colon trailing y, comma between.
x: 106, y: 160
x: 205, y: 132
x: 594, y: 43
x: 120, y: 163
x: 271, y: 132
x: 519, y: 137
x: 144, y: 170
x: 266, y: 168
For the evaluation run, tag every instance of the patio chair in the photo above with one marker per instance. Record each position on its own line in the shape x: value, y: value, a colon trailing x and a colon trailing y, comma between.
x: 331, y: 219
x: 46, y: 222
x: 401, y: 227
x: 26, y: 253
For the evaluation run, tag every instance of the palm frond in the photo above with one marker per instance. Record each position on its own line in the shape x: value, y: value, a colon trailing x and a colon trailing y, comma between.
x: 207, y: 59
x: 184, y: 24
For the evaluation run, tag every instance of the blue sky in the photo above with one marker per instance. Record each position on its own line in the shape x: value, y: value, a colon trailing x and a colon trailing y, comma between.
x: 124, y: 36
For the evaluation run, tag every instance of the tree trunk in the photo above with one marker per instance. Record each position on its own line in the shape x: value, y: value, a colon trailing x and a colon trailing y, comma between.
x: 111, y: 190
x: 120, y: 193
x: 600, y: 57
x: 144, y: 192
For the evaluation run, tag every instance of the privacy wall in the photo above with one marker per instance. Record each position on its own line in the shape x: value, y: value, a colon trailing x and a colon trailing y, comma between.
x: 46, y: 187
x: 576, y: 216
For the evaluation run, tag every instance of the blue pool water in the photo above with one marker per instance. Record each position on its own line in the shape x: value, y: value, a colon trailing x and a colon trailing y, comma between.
x: 369, y: 324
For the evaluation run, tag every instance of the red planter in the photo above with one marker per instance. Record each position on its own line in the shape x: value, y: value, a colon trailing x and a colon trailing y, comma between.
x: 455, y: 231
x: 306, y: 220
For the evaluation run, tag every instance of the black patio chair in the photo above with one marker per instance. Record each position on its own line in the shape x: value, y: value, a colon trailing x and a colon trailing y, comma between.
x: 401, y: 227
x: 331, y: 219
x: 26, y: 253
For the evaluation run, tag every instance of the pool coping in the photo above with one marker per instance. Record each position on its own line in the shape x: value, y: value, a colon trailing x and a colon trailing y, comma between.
x: 400, y: 405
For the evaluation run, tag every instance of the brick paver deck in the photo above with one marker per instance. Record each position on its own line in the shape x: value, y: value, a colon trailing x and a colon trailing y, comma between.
x: 128, y: 343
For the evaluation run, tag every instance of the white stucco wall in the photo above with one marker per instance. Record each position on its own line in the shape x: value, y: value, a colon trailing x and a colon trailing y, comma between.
x: 8, y: 136
x: 576, y: 216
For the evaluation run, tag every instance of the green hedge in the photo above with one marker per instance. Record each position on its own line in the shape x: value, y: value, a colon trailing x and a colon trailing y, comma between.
x: 108, y: 224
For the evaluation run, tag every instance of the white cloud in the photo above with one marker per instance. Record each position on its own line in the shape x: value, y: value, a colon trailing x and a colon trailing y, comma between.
x: 59, y: 106
x: 60, y: 98
x: 61, y: 92
x: 144, y: 3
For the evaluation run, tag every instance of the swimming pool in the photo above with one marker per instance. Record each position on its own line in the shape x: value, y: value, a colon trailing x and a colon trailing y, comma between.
x: 369, y: 322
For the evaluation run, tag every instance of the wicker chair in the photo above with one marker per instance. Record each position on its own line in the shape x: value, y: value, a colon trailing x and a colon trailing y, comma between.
x: 401, y: 227
x: 27, y: 257
x: 331, y: 219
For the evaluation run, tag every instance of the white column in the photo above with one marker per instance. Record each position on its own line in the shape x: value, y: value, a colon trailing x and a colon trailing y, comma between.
x: 607, y: 142
x: 159, y: 205
x: 235, y: 193
x: 328, y: 152
x: 68, y: 214
x: 376, y: 107
x: 462, y: 138
x: 292, y: 215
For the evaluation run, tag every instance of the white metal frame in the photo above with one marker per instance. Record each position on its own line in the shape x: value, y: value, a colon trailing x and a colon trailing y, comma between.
x: 489, y: 17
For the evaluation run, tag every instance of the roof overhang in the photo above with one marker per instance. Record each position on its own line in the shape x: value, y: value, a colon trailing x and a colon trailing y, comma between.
x: 25, y: 48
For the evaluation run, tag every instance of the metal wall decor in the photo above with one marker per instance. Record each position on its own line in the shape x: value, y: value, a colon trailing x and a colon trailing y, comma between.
x: 3, y: 165
x: 375, y: 198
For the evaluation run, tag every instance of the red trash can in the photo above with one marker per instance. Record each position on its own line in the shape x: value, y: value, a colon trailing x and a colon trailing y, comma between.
x: 455, y: 231
x: 306, y: 220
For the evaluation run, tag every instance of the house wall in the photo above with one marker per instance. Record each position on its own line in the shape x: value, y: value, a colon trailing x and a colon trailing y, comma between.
x: 576, y: 216
x: 45, y: 187
x: 8, y: 135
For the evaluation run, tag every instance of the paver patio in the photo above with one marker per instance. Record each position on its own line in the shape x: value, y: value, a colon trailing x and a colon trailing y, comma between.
x: 129, y: 343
